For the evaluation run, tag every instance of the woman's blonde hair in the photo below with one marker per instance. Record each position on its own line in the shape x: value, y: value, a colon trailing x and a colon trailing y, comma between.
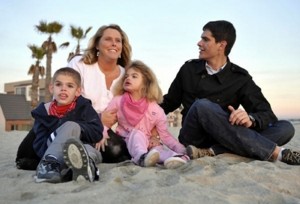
x: 150, y: 90
x: 90, y: 54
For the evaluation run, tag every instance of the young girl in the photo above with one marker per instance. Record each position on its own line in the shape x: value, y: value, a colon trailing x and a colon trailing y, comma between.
x: 136, y: 100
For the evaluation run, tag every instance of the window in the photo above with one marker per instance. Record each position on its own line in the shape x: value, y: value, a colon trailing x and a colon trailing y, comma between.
x: 21, y: 90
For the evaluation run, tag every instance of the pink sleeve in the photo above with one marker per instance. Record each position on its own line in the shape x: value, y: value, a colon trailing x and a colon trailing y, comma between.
x: 166, y: 137
x: 113, y: 104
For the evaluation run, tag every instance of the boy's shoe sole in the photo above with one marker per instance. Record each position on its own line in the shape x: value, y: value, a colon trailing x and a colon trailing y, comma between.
x: 76, y: 158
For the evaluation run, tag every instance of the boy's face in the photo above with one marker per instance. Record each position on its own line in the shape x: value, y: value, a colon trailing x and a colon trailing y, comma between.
x: 64, y: 90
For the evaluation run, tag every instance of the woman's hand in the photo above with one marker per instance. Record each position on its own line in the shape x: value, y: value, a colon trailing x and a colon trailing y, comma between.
x: 109, y: 118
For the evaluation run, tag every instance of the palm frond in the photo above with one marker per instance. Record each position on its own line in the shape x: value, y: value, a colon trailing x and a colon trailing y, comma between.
x: 54, y: 27
x: 76, y: 32
x: 42, y: 26
x: 49, y: 28
x: 31, y: 70
x: 64, y: 45
x: 87, y: 30
x: 37, y: 52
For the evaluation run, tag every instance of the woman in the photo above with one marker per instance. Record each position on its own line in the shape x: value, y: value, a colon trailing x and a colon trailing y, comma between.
x: 100, y: 67
x: 102, y: 64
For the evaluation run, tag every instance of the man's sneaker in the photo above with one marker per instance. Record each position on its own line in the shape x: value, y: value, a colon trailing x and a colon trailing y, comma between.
x: 290, y: 157
x: 48, y: 170
x: 77, y: 158
x: 195, y: 153
x: 149, y: 159
x: 174, y: 162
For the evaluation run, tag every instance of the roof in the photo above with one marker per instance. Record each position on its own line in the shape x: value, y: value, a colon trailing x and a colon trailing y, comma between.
x: 15, y: 107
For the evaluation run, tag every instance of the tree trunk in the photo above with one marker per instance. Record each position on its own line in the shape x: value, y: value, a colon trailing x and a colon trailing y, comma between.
x: 48, y: 95
x: 77, y: 49
x: 35, y: 86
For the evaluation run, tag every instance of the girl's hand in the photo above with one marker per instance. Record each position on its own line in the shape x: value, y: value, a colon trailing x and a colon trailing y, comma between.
x: 101, y: 145
x: 154, y: 139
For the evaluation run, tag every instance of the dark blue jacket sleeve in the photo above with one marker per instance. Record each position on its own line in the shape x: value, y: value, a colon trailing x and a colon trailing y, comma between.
x: 88, y: 119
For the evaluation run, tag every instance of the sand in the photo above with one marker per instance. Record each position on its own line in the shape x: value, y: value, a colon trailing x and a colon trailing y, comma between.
x: 222, y: 179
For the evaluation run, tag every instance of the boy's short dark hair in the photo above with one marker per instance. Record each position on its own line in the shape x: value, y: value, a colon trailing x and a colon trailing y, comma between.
x: 222, y: 30
x: 69, y: 72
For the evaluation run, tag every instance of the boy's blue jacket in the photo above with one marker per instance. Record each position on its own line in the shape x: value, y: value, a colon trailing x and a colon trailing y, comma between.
x: 83, y: 114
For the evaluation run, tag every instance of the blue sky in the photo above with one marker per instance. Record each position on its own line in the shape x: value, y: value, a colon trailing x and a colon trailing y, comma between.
x: 164, y: 34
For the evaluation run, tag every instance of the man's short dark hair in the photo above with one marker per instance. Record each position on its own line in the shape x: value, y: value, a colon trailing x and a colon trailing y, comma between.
x: 222, y: 30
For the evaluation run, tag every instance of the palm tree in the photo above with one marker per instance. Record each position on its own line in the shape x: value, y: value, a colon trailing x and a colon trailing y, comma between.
x: 50, y: 48
x: 36, y: 70
x: 77, y: 32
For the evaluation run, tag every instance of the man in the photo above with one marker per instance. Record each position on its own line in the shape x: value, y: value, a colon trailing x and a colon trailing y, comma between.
x: 211, y: 90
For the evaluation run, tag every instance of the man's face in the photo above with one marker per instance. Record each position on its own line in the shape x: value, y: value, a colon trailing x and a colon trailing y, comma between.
x: 209, y: 48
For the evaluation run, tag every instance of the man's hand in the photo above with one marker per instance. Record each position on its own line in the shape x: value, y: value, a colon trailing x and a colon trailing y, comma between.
x: 109, y: 118
x: 239, y: 117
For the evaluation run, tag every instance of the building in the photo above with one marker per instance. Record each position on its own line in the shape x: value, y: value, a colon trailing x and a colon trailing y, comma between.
x: 24, y: 88
x: 14, y: 112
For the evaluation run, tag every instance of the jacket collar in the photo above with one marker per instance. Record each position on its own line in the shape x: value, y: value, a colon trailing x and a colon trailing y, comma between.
x: 221, y: 76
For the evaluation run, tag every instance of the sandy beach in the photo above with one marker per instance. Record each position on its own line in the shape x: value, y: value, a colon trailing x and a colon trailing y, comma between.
x: 222, y: 179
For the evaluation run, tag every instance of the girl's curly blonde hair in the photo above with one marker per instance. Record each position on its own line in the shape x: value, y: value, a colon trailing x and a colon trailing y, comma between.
x: 150, y: 90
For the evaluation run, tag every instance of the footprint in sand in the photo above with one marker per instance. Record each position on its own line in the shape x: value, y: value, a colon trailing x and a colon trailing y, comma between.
x: 167, y: 179
x: 28, y: 196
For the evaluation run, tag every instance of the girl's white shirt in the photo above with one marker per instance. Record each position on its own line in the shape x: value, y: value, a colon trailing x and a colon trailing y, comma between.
x: 93, y: 83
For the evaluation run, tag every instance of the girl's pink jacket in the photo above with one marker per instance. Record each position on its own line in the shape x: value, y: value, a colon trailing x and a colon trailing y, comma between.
x: 154, y: 117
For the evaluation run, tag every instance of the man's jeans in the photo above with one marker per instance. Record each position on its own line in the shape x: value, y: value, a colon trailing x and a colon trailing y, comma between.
x: 207, y: 125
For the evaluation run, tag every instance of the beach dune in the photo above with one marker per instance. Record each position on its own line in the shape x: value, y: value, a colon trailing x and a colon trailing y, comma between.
x: 225, y: 178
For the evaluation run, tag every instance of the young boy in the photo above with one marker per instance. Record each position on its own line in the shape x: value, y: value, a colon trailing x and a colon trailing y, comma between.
x: 61, y: 127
